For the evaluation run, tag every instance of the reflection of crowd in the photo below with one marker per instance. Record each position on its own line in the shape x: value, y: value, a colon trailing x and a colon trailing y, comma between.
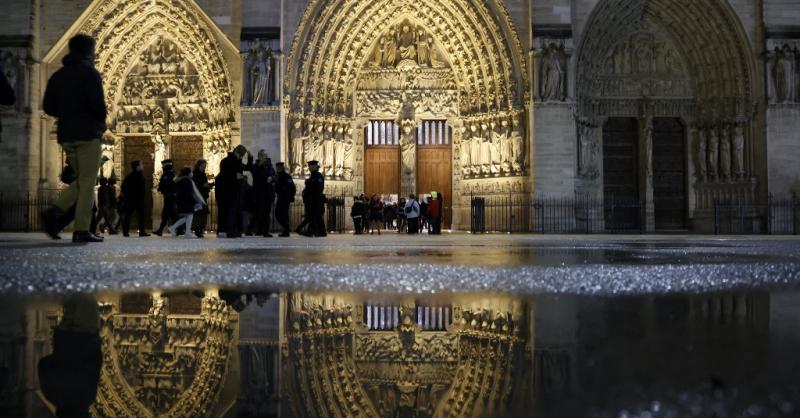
x: 412, y: 216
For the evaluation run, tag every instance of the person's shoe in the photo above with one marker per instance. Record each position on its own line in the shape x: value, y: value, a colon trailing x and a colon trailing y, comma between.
x: 267, y: 235
x: 144, y: 234
x: 159, y: 232
x: 126, y: 235
x: 52, y: 222
x: 81, y: 237
x: 172, y: 232
x: 284, y: 235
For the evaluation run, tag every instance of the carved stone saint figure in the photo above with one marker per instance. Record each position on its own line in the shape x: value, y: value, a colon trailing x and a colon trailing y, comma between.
x: 298, y: 146
x: 390, y: 49
x: 552, y: 85
x: 475, y: 149
x: 713, y: 153
x: 329, y: 157
x: 423, y: 50
x: 347, y: 161
x: 486, y: 149
x: 407, y: 44
x: 464, y: 156
x: 701, y: 155
x: 518, y: 148
x: 259, y: 77
x: 725, y: 153
x: 738, y: 151
x: 587, y: 152
x: 505, y: 148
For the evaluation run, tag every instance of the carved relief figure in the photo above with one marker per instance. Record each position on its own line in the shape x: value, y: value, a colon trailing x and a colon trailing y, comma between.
x: 725, y: 153
x: 464, y: 156
x: 506, y: 148
x: 390, y: 49
x: 259, y: 76
x: 407, y: 44
x: 329, y: 158
x: 738, y: 151
x: 347, y: 162
x: 423, y: 49
x: 486, y: 150
x: 552, y: 84
x: 517, y: 147
x: 587, y: 151
x: 713, y: 153
x: 701, y: 157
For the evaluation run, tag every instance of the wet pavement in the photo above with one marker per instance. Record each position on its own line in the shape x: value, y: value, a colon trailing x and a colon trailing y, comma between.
x: 521, y: 264
x: 398, y: 326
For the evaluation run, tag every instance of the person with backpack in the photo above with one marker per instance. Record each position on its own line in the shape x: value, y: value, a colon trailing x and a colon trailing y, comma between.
x: 188, y: 202
x: 413, y: 211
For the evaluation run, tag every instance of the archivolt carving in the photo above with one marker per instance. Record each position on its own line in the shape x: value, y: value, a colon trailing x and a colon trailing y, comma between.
x: 163, y: 365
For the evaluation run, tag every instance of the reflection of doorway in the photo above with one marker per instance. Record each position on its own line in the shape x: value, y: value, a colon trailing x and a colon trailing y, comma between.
x: 141, y: 148
x: 382, y: 158
x: 669, y: 182
x: 186, y: 150
x: 620, y: 178
x: 434, y: 168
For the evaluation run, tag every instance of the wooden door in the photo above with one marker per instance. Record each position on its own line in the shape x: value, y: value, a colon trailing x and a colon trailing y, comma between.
x: 669, y: 174
x: 141, y: 148
x: 620, y: 173
x: 382, y: 170
x: 186, y: 150
x: 434, y: 167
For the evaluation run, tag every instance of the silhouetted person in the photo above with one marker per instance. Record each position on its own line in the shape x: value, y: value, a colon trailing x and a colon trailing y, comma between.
x: 7, y: 96
x: 74, y: 96
x: 167, y: 188
x: 229, y: 192
x: 314, y: 201
x: 285, y: 191
x: 434, y: 212
x: 70, y: 375
x: 189, y: 201
x: 106, y: 204
x: 204, y: 186
x: 262, y: 195
x: 413, y: 211
x: 133, y: 192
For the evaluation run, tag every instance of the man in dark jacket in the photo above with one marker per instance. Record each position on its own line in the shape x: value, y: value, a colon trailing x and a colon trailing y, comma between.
x: 314, y: 200
x: 133, y: 190
x: 229, y: 192
x: 285, y: 190
x: 74, y: 96
x: 263, y: 195
x: 204, y: 186
x: 7, y: 97
x: 167, y: 188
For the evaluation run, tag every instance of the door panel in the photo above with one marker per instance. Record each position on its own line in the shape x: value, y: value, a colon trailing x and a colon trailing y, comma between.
x: 669, y: 168
x: 434, y: 173
x: 141, y: 148
x: 186, y: 150
x: 382, y: 170
x: 620, y: 173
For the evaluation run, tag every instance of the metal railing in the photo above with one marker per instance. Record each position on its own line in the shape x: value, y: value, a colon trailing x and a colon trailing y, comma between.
x: 778, y: 216
x: 544, y: 215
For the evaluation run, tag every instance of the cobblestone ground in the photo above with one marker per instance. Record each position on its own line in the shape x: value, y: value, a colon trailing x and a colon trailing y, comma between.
x: 524, y: 264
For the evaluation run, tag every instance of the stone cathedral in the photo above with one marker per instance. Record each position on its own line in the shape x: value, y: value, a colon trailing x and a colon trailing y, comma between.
x: 674, y: 104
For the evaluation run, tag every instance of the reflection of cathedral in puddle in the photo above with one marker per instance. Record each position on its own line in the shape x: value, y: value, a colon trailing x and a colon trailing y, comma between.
x: 189, y: 354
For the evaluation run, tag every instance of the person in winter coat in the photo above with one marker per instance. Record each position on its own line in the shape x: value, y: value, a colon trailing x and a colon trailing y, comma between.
x: 375, y: 214
x: 434, y: 215
x: 204, y: 186
x: 358, y: 212
x: 402, y: 221
x: 230, y: 185
x: 74, y: 95
x: 106, y: 205
x: 133, y: 190
x: 412, y: 214
x: 189, y: 201
x: 263, y: 195
x: 166, y: 186
x: 285, y: 191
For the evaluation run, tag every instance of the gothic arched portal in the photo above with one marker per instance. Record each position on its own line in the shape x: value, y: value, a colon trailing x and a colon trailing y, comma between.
x: 409, y: 65
x: 659, y: 59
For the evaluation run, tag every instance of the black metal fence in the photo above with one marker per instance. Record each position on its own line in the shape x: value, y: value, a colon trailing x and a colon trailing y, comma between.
x: 21, y: 212
x: 779, y: 216
x: 543, y: 215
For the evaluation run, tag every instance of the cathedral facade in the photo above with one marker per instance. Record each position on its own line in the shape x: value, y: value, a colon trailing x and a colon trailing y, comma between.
x: 674, y: 105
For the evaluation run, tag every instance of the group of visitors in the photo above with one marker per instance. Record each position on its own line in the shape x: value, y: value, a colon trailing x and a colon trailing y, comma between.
x: 405, y: 216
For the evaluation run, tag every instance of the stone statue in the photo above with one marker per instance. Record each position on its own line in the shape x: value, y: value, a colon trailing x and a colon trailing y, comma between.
x: 517, y: 148
x: 390, y: 49
x: 475, y: 149
x: 464, y: 156
x: 486, y: 149
x: 423, y: 49
x: 505, y: 148
x: 552, y: 84
x: 701, y: 157
x: 259, y: 77
x: 407, y: 44
x: 347, y: 160
x: 725, y: 153
x: 587, y: 152
x: 713, y: 153
x: 329, y: 158
x: 738, y: 151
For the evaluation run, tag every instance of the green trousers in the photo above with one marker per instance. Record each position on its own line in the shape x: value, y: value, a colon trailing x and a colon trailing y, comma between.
x: 84, y: 157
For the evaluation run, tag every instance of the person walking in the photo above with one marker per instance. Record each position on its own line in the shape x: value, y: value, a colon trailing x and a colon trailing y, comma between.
x: 133, y: 191
x: 74, y: 96
x: 7, y: 96
x: 230, y: 198
x: 401, y: 216
x: 434, y: 215
x: 375, y: 214
x: 413, y: 211
x: 188, y: 202
x: 285, y: 190
x: 262, y: 195
x: 106, y: 205
x: 200, y: 179
x: 167, y: 188
x: 314, y: 195
x: 357, y: 213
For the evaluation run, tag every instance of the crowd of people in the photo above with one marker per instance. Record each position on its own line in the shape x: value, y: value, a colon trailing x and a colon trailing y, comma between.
x: 408, y: 215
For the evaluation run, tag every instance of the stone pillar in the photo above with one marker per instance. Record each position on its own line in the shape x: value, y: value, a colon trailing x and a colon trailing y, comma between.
x: 408, y: 157
x: 276, y: 71
x: 646, y: 173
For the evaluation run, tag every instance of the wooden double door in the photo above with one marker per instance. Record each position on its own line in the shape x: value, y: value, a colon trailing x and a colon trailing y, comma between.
x: 434, y: 174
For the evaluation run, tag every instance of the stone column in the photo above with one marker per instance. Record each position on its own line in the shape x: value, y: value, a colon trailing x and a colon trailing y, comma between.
x: 276, y: 71
x: 646, y: 173
x: 408, y: 157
